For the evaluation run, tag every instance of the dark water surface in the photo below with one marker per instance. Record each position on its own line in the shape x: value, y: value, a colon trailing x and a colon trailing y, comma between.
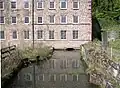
x: 63, y: 70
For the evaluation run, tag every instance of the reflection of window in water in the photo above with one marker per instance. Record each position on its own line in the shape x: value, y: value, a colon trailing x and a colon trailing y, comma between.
x: 41, y: 77
x: 74, y: 77
x: 64, y: 64
x: 18, y: 77
x: 27, y: 77
x: 63, y: 77
x: 52, y: 77
x: 41, y: 65
x: 75, y: 63
x: 52, y: 64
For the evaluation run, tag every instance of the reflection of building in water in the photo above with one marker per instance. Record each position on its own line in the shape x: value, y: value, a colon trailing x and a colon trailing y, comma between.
x: 56, y: 73
x: 63, y: 70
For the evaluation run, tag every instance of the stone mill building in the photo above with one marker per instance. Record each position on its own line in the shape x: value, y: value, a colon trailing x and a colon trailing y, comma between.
x: 56, y: 23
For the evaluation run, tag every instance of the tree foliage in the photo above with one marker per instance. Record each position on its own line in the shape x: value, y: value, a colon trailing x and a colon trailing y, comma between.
x: 107, y: 12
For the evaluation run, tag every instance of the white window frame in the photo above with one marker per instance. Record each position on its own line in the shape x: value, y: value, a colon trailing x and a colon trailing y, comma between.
x: 4, y: 35
x: 61, y: 19
x: 77, y: 77
x: 11, y: 5
x: 28, y: 18
x: 61, y: 4
x: 3, y: 5
x: 42, y: 5
x: 42, y: 20
x: 54, y: 5
x: 11, y: 20
x: 43, y: 77
x: 78, y: 5
x: 16, y: 34
x: 28, y: 4
x: 73, y: 19
x: 24, y: 35
x: 37, y: 34
x: 65, y: 75
x: 4, y: 20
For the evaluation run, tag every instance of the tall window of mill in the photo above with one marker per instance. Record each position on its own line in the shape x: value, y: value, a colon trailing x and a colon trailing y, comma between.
x: 14, y: 35
x: 39, y: 34
x: 52, y: 4
x: 51, y: 34
x: 13, y: 19
x: 13, y: 4
x: 1, y: 5
x: 75, y: 34
x: 26, y: 34
x: 63, y: 34
x: 26, y: 19
x: 63, y: 19
x: 26, y: 4
x: 2, y: 35
x: 40, y: 4
x: 75, y: 19
x: 52, y: 18
x: 75, y: 4
x: 1, y: 19
x: 63, y: 4
x: 40, y: 20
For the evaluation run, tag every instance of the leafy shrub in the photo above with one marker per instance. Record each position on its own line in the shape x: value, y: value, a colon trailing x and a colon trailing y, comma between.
x: 29, y: 52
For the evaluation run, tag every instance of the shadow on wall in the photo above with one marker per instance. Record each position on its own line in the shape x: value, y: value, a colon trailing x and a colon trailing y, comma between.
x: 96, y: 29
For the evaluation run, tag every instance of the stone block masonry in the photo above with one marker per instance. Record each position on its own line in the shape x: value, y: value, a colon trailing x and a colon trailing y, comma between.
x: 70, y: 22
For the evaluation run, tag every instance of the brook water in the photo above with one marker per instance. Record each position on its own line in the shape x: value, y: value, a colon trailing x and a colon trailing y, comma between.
x: 63, y: 70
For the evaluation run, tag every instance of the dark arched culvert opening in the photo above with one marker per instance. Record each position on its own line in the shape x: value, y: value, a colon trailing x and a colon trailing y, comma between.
x: 70, y: 49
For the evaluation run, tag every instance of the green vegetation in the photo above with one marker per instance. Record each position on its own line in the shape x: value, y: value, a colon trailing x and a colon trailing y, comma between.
x: 98, y: 62
x: 9, y: 64
x: 30, y: 53
x: 108, y: 13
x: 115, y: 49
x: 115, y: 44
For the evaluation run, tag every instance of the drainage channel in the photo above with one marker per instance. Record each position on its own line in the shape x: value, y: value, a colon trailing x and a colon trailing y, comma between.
x: 63, y: 70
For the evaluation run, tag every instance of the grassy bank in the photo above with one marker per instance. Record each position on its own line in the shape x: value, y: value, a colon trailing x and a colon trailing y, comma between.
x: 115, y: 44
x: 38, y: 52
